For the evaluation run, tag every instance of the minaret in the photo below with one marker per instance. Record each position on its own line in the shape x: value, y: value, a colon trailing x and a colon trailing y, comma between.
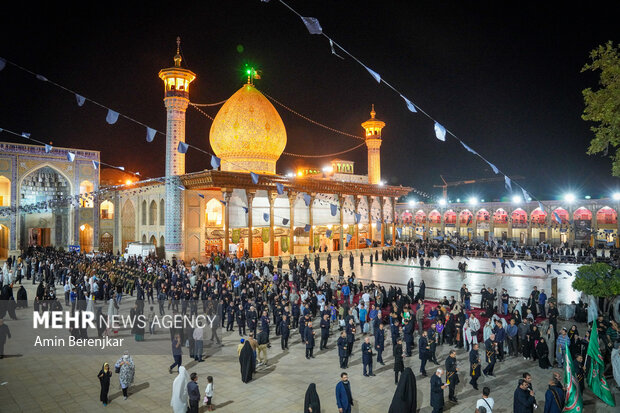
x: 176, y: 99
x: 373, y: 141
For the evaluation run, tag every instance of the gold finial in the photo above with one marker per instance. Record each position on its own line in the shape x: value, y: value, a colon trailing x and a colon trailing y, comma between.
x: 177, y: 57
x: 372, y: 112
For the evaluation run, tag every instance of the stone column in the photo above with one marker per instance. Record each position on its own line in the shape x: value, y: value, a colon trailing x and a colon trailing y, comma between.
x: 571, y: 231
x: 272, y: 197
x: 529, y: 227
x: 393, y: 200
x: 382, y: 221
x: 250, y: 196
x: 292, y: 197
x: 510, y: 235
x: 357, y: 228
x: 227, y: 194
x: 474, y: 228
x: 341, y: 199
x: 369, y: 200
x: 311, y: 233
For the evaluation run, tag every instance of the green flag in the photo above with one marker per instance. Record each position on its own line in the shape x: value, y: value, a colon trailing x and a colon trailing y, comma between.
x: 573, y: 400
x: 595, y: 379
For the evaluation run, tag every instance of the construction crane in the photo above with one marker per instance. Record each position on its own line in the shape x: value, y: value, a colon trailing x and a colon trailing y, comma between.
x: 467, y: 182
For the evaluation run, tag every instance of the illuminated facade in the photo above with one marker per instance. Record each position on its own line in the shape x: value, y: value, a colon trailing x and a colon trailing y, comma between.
x: 587, y: 222
x: 190, y: 215
x: 176, y: 99
x: 247, y: 133
x: 373, y: 129
x: 33, y: 178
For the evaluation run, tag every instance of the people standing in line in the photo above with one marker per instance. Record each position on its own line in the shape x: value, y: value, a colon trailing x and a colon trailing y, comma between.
x: 180, y: 399
x: 193, y: 393
x: 104, y: 380
x: 126, y: 370
x: 437, y: 387
x: 452, y: 375
x: 209, y: 390
x: 367, y: 356
x: 344, y: 397
x: 399, y: 365
x: 485, y: 402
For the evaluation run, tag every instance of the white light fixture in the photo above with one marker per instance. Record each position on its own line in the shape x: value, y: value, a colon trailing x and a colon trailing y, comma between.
x: 411, y: 202
x: 570, y: 198
x: 616, y: 196
x: 442, y: 201
x: 473, y: 201
x: 290, y: 175
x: 328, y: 169
x: 516, y: 199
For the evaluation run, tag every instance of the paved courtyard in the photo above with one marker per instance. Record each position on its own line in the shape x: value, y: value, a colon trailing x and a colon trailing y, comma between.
x: 68, y: 383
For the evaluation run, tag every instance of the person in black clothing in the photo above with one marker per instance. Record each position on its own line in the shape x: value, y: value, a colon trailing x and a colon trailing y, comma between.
x: 104, y: 379
x: 367, y: 356
x: 324, y: 331
x: 309, y: 340
x: 379, y: 343
x: 491, y: 355
x: 350, y: 336
x: 284, y: 331
x: 437, y: 387
x: 399, y: 365
x: 405, y: 396
x: 194, y: 393
x: 312, y: 403
x: 474, y: 366
x: 241, y: 320
x: 452, y: 375
x: 343, y: 353
x: 425, y: 350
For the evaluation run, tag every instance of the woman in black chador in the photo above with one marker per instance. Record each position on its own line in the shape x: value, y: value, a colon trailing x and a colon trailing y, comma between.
x: 246, y: 359
x: 312, y: 404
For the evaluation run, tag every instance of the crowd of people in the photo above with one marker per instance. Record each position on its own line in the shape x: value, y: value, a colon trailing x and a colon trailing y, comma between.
x: 262, y: 301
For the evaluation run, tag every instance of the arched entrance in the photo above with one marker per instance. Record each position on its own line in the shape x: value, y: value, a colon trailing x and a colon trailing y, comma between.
x: 4, y: 242
x: 45, y: 220
x: 161, y: 248
x: 128, y: 223
x: 106, y: 244
x: 86, y: 238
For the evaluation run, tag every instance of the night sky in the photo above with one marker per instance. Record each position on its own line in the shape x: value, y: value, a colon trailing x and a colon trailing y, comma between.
x: 505, y: 78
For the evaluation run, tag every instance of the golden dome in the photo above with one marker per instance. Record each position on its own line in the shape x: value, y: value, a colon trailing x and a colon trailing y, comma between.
x: 247, y: 133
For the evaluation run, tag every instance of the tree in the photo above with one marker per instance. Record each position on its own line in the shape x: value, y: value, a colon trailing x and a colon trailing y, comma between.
x: 603, y: 105
x: 599, y: 280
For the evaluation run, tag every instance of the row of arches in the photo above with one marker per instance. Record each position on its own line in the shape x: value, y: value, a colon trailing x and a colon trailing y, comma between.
x: 605, y: 215
x: 152, y: 213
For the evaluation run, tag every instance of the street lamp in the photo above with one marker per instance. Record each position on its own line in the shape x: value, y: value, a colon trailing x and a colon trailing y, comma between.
x: 516, y: 199
x: 570, y: 198
x: 442, y: 202
x: 473, y: 201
